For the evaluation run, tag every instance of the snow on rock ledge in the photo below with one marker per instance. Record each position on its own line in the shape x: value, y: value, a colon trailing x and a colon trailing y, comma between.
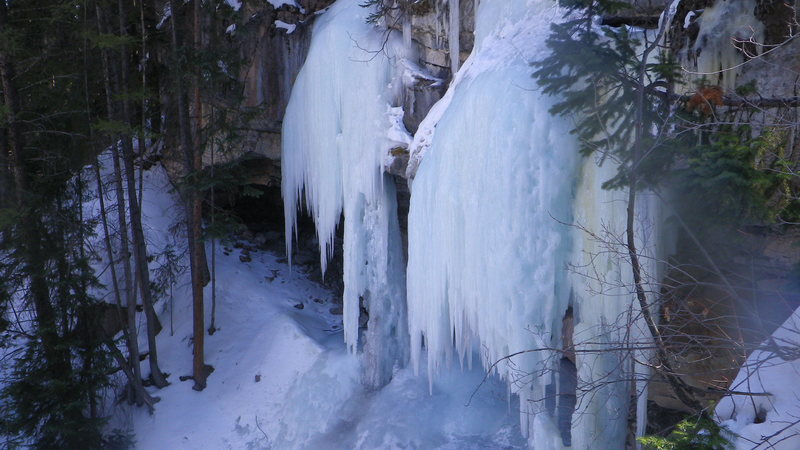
x: 775, y: 416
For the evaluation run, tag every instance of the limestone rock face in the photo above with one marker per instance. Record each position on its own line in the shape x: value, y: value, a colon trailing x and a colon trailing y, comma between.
x: 430, y: 30
x: 274, y: 43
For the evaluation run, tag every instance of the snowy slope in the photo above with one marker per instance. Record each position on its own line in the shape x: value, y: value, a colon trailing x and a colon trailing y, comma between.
x: 309, y: 394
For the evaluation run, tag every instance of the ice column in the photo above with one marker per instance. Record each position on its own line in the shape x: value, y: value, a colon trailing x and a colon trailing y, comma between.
x: 334, y: 139
x: 486, y: 248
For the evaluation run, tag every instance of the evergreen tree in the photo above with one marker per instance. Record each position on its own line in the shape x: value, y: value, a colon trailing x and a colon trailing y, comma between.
x: 617, y: 84
x: 51, y: 394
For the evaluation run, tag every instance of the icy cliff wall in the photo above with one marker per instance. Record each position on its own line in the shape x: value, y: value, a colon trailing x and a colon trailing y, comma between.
x: 273, y: 39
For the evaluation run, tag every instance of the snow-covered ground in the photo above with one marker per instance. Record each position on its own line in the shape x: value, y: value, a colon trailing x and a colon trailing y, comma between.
x: 283, y: 377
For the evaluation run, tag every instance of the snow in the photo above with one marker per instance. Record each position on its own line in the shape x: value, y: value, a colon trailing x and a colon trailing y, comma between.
x: 278, y: 3
x: 308, y: 393
x: 687, y: 21
x: 165, y: 15
x: 666, y: 17
x: 235, y: 4
x: 289, y: 27
x: 424, y: 135
x: 767, y: 372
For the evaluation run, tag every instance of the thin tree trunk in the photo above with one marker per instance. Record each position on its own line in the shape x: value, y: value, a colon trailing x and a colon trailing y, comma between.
x: 139, y: 246
x: 678, y: 385
x: 134, y: 379
x: 199, y: 369
x: 6, y: 195
x: 130, y: 298
x: 90, y: 348
x: 193, y: 207
x: 135, y: 375
x: 143, y: 106
x: 212, y: 328
x: 132, y: 334
x: 140, y: 395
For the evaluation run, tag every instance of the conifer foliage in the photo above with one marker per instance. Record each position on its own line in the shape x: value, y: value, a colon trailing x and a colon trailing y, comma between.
x: 619, y: 100
x: 53, y: 378
x: 616, y: 83
x: 598, y: 73
x: 80, y: 79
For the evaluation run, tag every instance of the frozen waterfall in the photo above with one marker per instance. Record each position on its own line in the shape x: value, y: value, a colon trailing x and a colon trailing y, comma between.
x: 496, y: 265
x: 334, y: 141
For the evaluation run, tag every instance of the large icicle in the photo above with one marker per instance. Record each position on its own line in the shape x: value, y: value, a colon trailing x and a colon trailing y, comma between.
x: 606, y: 314
x: 488, y: 243
x: 334, y: 140
x: 486, y: 250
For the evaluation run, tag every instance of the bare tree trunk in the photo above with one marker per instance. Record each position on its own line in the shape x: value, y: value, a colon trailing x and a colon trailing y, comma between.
x: 134, y: 379
x: 665, y: 367
x: 134, y: 375
x: 139, y: 246
x: 212, y: 328
x: 143, y: 125
x: 125, y: 254
x: 193, y: 213
x: 199, y: 369
x: 5, y: 185
x: 132, y: 335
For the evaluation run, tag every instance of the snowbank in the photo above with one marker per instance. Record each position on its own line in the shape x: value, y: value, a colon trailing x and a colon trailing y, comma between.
x: 772, y: 415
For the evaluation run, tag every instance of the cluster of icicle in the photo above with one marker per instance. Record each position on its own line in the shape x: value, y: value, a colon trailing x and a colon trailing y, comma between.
x: 334, y: 142
x: 727, y: 30
x: 499, y: 182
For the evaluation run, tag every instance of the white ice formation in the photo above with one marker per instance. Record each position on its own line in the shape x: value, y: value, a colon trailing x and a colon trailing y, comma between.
x: 334, y: 142
x: 728, y: 30
x: 498, y: 184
